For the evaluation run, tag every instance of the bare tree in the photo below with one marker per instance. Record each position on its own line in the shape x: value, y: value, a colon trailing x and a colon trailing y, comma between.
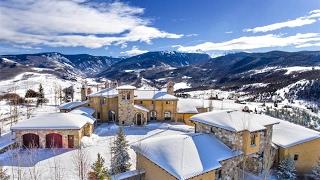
x: 34, y: 170
x: 56, y: 168
x: 81, y: 163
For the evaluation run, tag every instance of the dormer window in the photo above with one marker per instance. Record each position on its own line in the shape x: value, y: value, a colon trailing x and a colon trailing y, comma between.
x: 253, y: 139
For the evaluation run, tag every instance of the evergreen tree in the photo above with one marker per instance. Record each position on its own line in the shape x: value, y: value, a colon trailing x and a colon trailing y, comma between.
x: 40, y: 99
x: 3, y: 174
x: 120, y: 156
x: 98, y: 171
x: 286, y: 169
x: 316, y: 170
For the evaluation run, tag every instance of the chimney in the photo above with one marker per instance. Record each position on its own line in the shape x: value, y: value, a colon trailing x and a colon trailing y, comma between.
x: 170, y: 87
x: 83, y: 92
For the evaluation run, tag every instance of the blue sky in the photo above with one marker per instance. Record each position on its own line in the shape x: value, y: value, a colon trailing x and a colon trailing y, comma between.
x: 125, y: 28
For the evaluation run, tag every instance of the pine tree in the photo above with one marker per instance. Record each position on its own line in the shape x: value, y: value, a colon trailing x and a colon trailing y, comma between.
x: 316, y: 170
x: 120, y: 156
x: 40, y: 99
x: 3, y: 174
x: 98, y: 171
x: 286, y: 169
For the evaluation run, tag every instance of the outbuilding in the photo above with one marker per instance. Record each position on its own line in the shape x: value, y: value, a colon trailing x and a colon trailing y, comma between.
x: 53, y: 130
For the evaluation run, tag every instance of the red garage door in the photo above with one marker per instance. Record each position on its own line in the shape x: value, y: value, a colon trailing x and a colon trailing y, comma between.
x: 30, y: 140
x: 53, y: 140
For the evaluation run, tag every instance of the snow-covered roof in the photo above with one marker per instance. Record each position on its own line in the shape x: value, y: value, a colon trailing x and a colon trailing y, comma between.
x: 286, y: 134
x: 185, y: 155
x: 127, y: 174
x: 109, y: 92
x: 155, y: 95
x: 126, y: 87
x: 235, y: 120
x: 141, y: 108
x: 189, y: 105
x: 54, y: 121
x: 84, y: 110
x: 72, y: 105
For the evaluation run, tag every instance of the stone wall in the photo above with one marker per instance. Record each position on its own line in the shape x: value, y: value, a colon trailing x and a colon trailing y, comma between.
x: 230, y: 168
x: 77, y: 133
x: 232, y: 139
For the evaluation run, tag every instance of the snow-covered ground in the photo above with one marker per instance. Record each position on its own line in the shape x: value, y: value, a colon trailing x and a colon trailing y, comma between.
x: 31, y: 80
x: 43, y: 160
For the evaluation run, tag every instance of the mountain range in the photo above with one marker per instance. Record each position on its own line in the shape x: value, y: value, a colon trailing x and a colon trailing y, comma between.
x: 256, y: 73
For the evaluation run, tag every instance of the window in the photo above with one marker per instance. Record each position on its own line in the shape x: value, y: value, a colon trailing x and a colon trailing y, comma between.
x: 128, y: 96
x: 104, y: 100
x: 167, y: 102
x: 167, y: 115
x: 153, y: 115
x: 123, y: 97
x: 296, y: 157
x: 98, y: 115
x: 253, y: 139
x: 141, y: 102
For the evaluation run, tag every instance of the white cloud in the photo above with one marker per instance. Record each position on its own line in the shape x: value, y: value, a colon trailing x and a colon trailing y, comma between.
x: 228, y: 32
x: 134, y: 51
x: 300, y: 21
x: 74, y: 23
x: 254, y: 42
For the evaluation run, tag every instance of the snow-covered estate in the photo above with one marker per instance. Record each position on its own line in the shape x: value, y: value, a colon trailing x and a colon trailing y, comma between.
x: 127, y: 105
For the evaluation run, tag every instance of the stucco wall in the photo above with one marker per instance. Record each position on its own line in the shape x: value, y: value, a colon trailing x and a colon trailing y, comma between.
x: 185, y: 118
x: 155, y: 172
x: 309, y: 153
x: 152, y: 171
x: 103, y: 106
x: 160, y: 106
x: 247, y: 147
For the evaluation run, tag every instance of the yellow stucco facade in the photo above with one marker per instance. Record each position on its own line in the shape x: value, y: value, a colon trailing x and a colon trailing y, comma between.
x: 251, y: 142
x: 160, y: 107
x: 185, y: 118
x: 107, y: 109
x: 155, y: 172
x: 306, y: 153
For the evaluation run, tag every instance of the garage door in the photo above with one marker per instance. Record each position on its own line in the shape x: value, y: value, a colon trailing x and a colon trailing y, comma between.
x: 53, y: 140
x: 30, y: 140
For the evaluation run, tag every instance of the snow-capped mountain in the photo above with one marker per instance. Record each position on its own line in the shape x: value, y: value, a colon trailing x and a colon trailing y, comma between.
x: 258, y: 74
x: 63, y: 65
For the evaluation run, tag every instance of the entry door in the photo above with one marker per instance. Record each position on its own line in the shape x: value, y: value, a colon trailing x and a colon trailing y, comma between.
x: 70, y: 141
x: 139, y: 119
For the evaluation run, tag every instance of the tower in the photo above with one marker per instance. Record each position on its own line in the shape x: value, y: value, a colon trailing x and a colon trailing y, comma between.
x: 126, y: 111
x: 83, y: 93
x: 170, y: 87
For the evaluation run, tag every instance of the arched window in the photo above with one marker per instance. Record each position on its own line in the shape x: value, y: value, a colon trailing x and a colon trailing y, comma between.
x: 167, y: 115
